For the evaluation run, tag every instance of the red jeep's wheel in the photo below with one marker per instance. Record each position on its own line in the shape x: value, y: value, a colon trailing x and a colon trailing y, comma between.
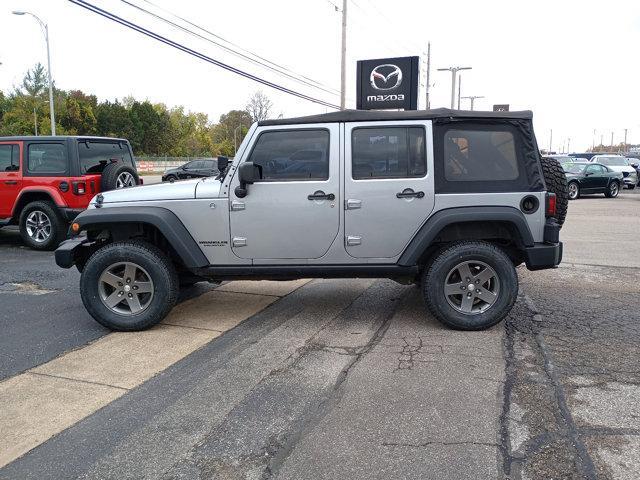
x: 41, y: 226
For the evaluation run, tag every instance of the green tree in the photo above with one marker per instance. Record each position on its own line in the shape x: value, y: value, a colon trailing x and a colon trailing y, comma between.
x: 34, y: 82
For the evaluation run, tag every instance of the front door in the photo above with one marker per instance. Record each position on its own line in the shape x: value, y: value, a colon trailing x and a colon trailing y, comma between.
x: 388, y: 186
x: 293, y: 211
x: 10, y: 177
x: 593, y: 178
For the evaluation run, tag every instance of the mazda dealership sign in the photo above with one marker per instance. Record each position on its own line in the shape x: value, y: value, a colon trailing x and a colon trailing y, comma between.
x: 388, y: 83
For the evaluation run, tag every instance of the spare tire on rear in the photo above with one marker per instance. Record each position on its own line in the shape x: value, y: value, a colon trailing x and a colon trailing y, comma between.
x: 556, y: 182
x: 118, y: 175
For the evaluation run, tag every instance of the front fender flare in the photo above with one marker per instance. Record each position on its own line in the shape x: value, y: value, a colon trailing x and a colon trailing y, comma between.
x: 434, y: 225
x: 163, y: 219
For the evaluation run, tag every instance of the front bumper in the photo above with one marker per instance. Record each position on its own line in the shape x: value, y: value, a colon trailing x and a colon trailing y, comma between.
x: 67, y: 253
x: 630, y: 180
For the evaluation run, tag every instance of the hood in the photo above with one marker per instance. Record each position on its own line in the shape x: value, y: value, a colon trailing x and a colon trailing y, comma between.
x: 183, y: 190
x: 622, y: 168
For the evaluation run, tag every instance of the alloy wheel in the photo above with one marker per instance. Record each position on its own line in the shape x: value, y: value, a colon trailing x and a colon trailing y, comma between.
x: 125, y: 179
x: 38, y: 226
x: 614, y: 189
x: 573, y: 191
x: 125, y: 288
x: 472, y: 287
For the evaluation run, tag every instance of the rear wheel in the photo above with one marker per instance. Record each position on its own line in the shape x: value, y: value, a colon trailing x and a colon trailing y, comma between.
x: 171, y: 178
x: 612, y: 190
x: 41, y: 226
x: 129, y: 286
x: 574, y: 191
x: 470, y: 286
x: 556, y: 182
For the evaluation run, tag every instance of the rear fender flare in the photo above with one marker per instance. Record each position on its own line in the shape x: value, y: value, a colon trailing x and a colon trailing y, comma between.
x: 441, y: 219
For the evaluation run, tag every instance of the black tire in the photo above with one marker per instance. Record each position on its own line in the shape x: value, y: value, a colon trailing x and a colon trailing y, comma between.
x: 171, y: 178
x: 612, y: 192
x: 115, y: 171
x: 153, y: 261
x: 57, y: 231
x: 574, y: 194
x: 435, y: 277
x: 556, y: 182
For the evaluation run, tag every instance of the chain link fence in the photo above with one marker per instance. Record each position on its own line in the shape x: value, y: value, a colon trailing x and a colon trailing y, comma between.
x: 147, y: 164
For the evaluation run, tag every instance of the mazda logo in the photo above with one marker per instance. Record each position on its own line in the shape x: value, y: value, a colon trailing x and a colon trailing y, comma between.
x: 386, y: 77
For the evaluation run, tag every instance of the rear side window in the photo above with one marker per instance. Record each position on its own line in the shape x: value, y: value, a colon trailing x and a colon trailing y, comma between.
x: 47, y: 158
x: 480, y: 155
x: 388, y: 152
x: 94, y: 156
x: 9, y: 158
x: 292, y: 155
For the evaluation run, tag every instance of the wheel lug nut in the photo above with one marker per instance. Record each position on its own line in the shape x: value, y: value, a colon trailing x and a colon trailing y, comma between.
x: 477, y: 281
x: 135, y: 287
x: 478, y: 291
x: 120, y: 293
x: 128, y: 280
x: 130, y: 295
x: 119, y: 284
x: 463, y: 287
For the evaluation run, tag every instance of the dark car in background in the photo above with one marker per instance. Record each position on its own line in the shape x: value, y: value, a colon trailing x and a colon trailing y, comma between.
x: 588, y: 178
x: 204, y: 167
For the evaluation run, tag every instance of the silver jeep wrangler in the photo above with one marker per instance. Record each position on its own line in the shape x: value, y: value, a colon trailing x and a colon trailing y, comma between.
x: 450, y: 200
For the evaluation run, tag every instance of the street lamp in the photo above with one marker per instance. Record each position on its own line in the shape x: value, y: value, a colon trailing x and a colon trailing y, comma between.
x: 45, y: 28
x: 454, y: 73
x: 472, y: 99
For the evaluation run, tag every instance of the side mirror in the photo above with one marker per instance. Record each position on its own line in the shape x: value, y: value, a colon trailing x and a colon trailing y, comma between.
x: 588, y: 174
x: 223, y: 163
x: 248, y: 173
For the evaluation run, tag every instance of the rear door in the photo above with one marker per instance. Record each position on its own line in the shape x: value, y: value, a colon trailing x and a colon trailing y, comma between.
x: 293, y: 212
x: 388, y: 185
x: 10, y: 176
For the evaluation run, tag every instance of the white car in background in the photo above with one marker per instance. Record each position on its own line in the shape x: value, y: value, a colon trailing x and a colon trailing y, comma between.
x: 618, y: 163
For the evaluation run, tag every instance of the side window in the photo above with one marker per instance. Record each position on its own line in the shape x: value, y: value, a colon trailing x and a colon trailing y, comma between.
x: 209, y: 165
x: 388, y: 152
x: 594, y: 169
x: 94, y: 156
x: 480, y: 155
x: 292, y: 155
x: 9, y: 158
x: 47, y: 158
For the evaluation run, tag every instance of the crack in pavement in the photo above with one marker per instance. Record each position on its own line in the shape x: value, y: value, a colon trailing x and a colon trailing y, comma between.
x: 436, y: 442
x: 408, y: 352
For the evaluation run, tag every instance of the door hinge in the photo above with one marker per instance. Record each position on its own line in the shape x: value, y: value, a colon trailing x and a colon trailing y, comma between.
x: 353, y: 240
x: 239, y: 242
x: 236, y: 205
x: 352, y: 204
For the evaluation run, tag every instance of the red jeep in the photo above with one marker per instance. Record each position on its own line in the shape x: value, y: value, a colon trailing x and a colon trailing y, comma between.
x: 46, y: 181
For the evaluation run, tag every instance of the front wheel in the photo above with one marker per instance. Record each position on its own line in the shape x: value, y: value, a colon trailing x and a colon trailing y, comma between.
x: 612, y: 190
x: 470, y: 285
x: 128, y: 286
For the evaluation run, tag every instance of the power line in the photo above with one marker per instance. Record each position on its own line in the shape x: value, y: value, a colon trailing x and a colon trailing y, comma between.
x: 284, y: 71
x: 197, y: 54
x: 209, y: 32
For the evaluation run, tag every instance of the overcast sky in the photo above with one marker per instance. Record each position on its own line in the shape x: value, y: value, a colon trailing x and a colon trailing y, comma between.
x: 574, y: 63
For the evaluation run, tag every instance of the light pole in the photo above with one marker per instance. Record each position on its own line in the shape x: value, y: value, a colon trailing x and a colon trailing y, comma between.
x: 454, y: 72
x: 472, y: 99
x: 235, y: 143
x: 45, y: 28
x: 343, y: 58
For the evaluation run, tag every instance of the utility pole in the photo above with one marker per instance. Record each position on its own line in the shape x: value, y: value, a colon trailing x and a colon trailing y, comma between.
x: 625, y: 139
x: 343, y: 58
x: 551, y: 140
x: 35, y: 120
x: 568, y: 144
x: 593, y: 141
x: 472, y: 99
x: 428, y: 104
x: 602, y: 139
x: 45, y: 29
x: 459, y: 89
x: 612, y: 140
x: 454, y: 73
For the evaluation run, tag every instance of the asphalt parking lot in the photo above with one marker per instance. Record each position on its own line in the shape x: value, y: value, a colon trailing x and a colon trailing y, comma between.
x: 331, y: 378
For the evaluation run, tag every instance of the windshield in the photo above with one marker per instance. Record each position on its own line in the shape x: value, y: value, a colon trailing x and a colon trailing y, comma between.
x: 613, y: 161
x: 573, y: 167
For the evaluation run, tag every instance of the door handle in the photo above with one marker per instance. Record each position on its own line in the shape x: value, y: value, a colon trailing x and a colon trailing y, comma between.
x: 409, y: 193
x: 320, y: 195
x: 11, y: 182
x: 353, y: 204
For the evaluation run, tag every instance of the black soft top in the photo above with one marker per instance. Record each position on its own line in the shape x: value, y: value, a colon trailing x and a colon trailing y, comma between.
x: 376, y: 115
